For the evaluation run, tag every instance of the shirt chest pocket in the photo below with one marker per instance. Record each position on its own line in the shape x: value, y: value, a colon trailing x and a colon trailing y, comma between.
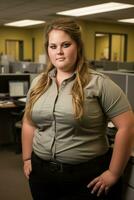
x: 92, y: 106
x: 93, y: 114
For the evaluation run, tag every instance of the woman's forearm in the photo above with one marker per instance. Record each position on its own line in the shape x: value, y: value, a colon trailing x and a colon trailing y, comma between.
x: 27, y: 140
x: 121, y: 151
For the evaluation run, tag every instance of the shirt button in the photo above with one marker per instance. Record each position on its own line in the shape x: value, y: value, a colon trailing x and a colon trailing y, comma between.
x: 64, y: 83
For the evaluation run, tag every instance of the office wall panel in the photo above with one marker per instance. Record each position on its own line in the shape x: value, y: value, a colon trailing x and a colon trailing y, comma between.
x: 130, y: 90
x: 125, y: 81
x: 119, y: 79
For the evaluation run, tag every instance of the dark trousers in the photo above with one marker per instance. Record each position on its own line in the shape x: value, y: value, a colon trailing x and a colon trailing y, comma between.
x: 55, y: 181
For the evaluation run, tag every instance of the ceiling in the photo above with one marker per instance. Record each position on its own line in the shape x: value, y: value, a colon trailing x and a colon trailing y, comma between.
x: 13, y: 10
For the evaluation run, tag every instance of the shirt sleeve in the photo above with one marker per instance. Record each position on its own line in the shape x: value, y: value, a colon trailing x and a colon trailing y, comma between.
x: 112, y: 98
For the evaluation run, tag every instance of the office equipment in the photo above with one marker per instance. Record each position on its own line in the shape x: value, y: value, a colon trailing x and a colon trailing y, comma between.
x: 5, y: 79
x: 18, y: 88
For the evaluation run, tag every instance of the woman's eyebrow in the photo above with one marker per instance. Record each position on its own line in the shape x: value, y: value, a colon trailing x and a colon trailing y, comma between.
x: 51, y: 43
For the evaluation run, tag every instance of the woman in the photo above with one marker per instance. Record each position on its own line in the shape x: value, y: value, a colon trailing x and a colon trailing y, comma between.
x: 65, y: 148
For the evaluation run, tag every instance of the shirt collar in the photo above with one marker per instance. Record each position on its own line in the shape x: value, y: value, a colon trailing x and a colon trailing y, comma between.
x: 52, y: 74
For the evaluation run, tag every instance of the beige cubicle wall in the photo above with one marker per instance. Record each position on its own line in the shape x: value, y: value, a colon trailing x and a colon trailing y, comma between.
x: 125, y: 81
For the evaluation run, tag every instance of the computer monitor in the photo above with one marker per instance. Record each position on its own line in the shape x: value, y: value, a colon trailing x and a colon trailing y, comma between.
x: 18, y: 88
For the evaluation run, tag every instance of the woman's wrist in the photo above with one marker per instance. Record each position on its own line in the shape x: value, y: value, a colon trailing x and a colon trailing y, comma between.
x: 115, y: 174
x: 26, y: 159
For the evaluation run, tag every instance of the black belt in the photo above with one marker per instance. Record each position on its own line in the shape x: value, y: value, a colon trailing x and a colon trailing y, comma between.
x: 58, y: 166
x: 53, y: 165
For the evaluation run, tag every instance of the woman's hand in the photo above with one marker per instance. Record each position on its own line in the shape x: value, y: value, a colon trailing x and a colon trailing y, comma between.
x: 102, y: 183
x: 27, y: 168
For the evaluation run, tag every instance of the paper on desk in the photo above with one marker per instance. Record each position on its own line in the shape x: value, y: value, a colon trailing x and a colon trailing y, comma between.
x: 110, y: 125
x: 22, y: 99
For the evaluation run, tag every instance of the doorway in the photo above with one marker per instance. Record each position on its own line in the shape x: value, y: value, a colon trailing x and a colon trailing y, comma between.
x: 110, y: 46
x: 15, y: 48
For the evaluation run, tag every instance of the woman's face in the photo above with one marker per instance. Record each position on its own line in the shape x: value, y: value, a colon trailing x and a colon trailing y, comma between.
x: 62, y: 50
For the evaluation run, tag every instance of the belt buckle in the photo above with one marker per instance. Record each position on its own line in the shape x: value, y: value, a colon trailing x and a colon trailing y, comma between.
x: 56, y: 166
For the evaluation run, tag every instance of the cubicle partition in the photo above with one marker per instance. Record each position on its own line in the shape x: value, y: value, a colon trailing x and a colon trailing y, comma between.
x: 26, y: 67
x: 130, y: 89
x: 125, y: 81
x: 113, y: 65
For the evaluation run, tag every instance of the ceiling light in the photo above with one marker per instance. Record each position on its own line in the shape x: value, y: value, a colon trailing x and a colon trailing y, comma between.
x: 100, y: 34
x: 105, y: 7
x: 131, y: 20
x: 23, y: 23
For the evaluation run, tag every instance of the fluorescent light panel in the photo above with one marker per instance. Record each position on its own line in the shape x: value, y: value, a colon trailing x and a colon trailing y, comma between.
x: 131, y: 20
x: 23, y: 23
x: 99, y: 34
x: 100, y: 8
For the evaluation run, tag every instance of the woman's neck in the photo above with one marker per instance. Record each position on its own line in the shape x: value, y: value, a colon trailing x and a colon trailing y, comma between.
x: 61, y: 76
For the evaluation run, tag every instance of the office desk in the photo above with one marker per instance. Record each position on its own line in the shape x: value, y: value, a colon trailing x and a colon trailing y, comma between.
x: 7, y: 104
x: 7, y: 121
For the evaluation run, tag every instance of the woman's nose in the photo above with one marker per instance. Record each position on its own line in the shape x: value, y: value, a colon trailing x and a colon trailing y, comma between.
x: 59, y: 50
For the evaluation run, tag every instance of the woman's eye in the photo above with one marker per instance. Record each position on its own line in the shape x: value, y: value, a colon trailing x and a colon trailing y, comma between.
x: 66, y: 45
x: 52, y: 46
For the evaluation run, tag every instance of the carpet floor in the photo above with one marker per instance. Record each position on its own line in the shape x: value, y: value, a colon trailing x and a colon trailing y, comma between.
x: 13, y: 184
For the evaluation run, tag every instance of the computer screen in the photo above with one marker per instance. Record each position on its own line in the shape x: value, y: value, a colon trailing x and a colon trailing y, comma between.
x: 18, y: 88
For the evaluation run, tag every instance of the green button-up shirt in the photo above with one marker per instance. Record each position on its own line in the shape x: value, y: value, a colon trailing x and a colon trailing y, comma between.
x: 62, y: 137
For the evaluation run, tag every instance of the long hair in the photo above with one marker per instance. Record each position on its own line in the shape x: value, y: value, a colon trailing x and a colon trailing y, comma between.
x: 81, y: 68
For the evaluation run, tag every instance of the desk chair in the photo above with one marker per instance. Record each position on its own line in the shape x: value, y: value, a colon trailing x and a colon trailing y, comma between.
x: 17, y: 130
x: 18, y: 148
x: 18, y: 124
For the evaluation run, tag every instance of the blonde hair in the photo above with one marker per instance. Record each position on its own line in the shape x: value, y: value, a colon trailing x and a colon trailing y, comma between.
x: 81, y: 68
